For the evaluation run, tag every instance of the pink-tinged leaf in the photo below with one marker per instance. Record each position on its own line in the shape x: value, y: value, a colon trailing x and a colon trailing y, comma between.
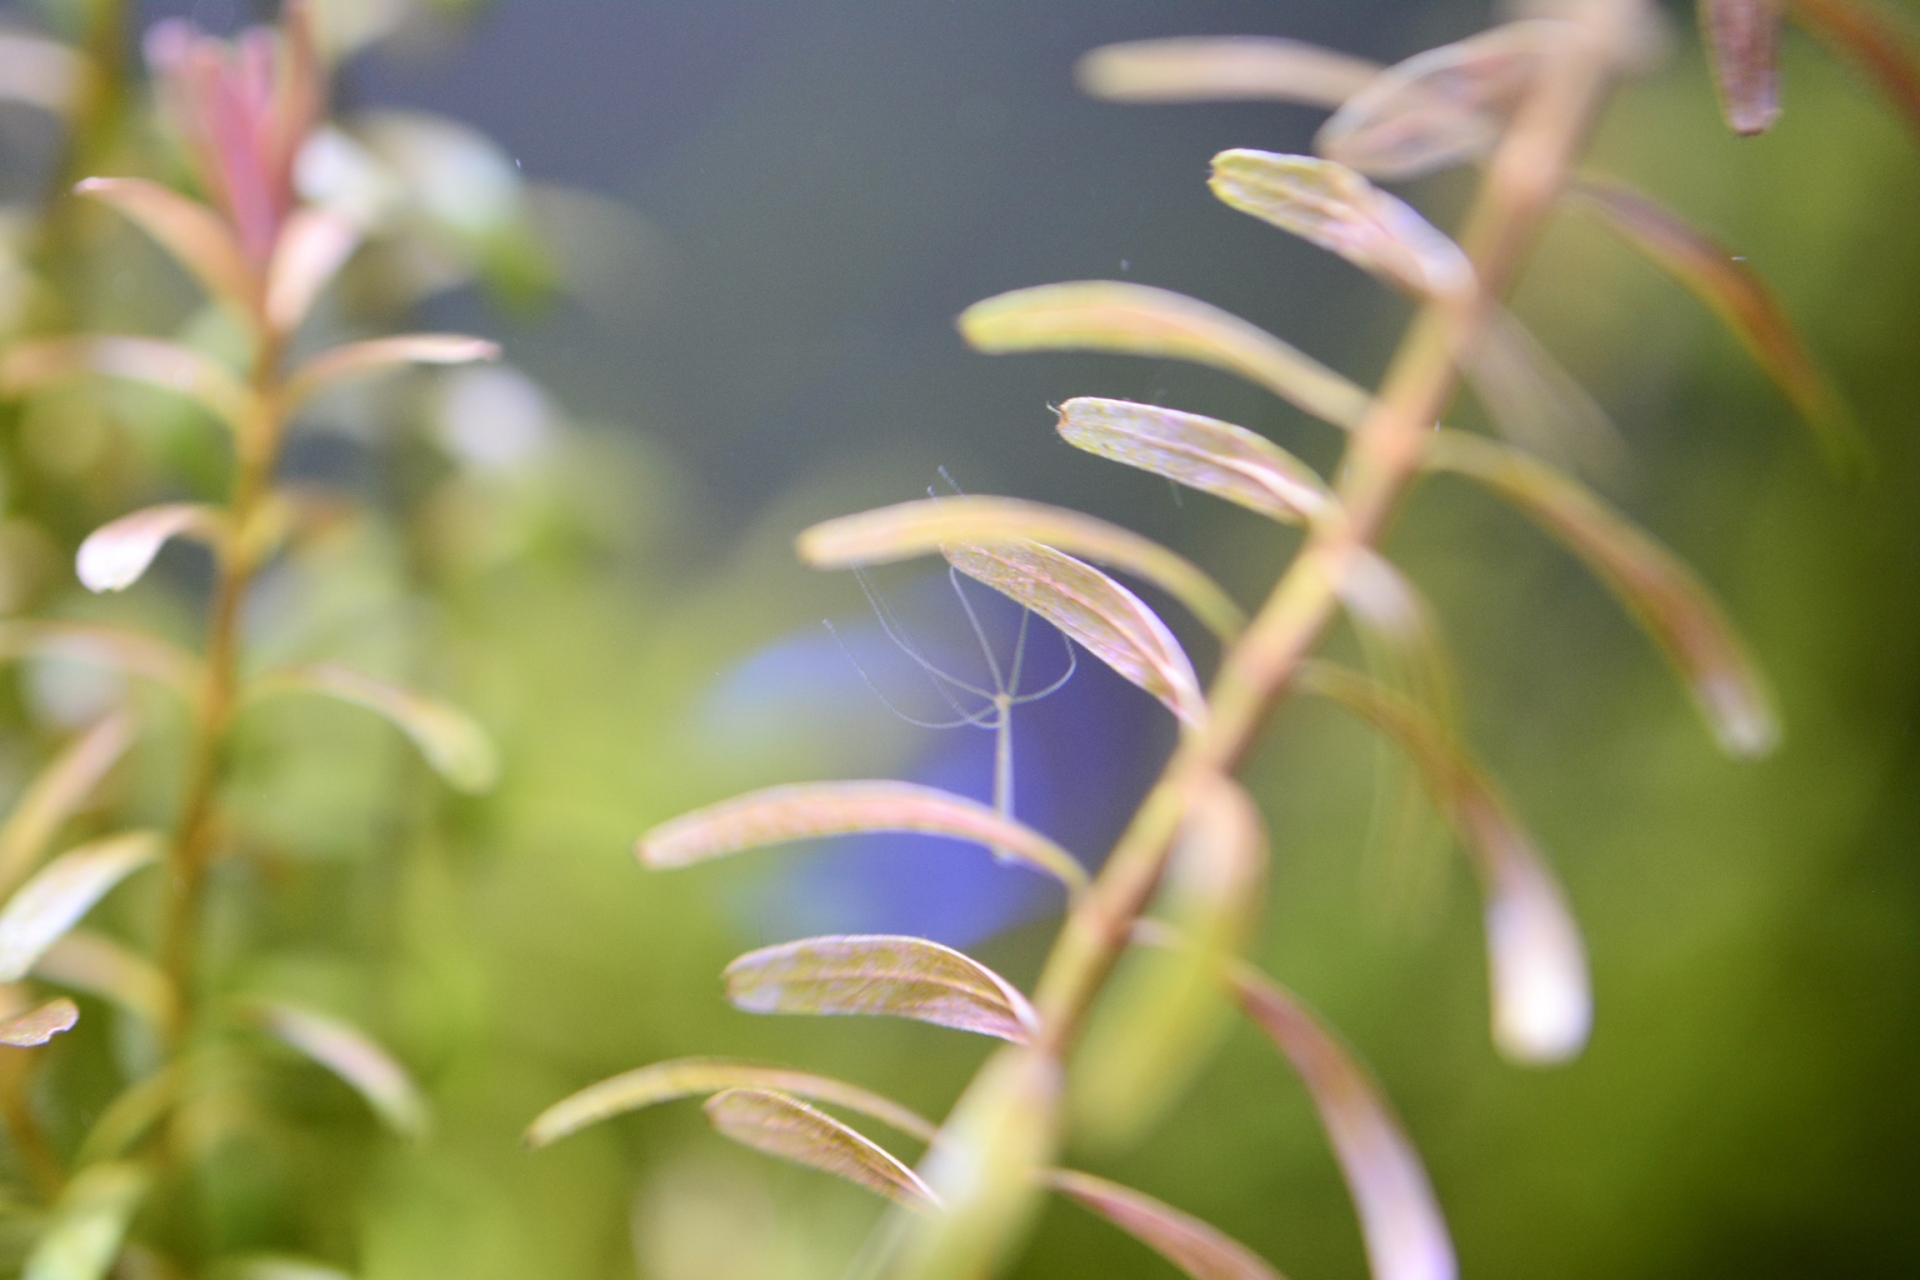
x: 58, y: 792
x: 1743, y: 47
x: 1223, y: 69
x: 450, y: 740
x: 29, y: 366
x: 1406, y: 1236
x: 1876, y: 40
x: 1109, y: 621
x: 1202, y: 453
x: 133, y: 652
x: 1533, y: 401
x: 382, y: 355
x: 1133, y: 319
x: 84, y: 1231
x: 197, y: 238
x: 1673, y: 606
x: 1542, y: 1002
x: 41, y: 73
x: 37, y: 1026
x: 313, y: 246
x: 1738, y: 294
x: 1199, y: 1250
x: 97, y: 965
x: 53, y: 901
x: 115, y: 555
x: 1439, y: 108
x: 922, y: 528
x: 694, y: 1077
x: 1162, y: 1015
x: 791, y: 1130
x: 883, y: 976
x: 353, y: 1056
x: 986, y: 1167
x: 807, y: 811
x: 1332, y: 206
x: 1398, y: 631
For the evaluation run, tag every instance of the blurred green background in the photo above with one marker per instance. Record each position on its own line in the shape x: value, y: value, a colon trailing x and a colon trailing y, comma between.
x: 793, y: 200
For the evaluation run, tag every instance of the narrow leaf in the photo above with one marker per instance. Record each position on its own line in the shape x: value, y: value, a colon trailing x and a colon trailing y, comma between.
x: 196, y: 236
x: 1164, y: 1012
x: 810, y: 810
x: 450, y: 740
x: 1542, y: 1003
x: 382, y: 355
x: 88, y: 1223
x: 1533, y: 401
x: 1397, y: 629
x: 1196, y: 1248
x: 97, y: 965
x: 354, y: 1057
x: 1439, y: 108
x: 115, y: 555
x: 1406, y: 1236
x: 1109, y: 621
x: 133, y: 652
x: 691, y: 1077
x: 1662, y: 593
x: 29, y: 366
x: 64, y: 890
x: 1741, y: 297
x: 1743, y: 47
x: 884, y: 976
x: 312, y: 248
x: 1876, y: 40
x: 1202, y: 453
x: 920, y: 528
x: 1332, y: 206
x: 1223, y: 69
x: 791, y: 1130
x: 1132, y: 319
x: 38, y: 1026
x: 58, y: 792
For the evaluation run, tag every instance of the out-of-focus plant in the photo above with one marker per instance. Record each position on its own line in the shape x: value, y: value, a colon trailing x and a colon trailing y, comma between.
x: 1149, y: 958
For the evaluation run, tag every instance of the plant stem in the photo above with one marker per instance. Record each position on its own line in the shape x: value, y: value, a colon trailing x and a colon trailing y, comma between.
x: 1525, y: 177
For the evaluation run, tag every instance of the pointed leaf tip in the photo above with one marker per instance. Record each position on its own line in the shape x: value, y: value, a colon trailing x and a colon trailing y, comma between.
x: 791, y: 1130
x: 883, y: 975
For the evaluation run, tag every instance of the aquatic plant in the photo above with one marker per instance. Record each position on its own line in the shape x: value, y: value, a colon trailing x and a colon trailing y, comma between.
x: 1149, y: 957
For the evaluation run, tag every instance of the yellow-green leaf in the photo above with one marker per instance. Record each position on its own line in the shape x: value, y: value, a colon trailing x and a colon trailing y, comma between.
x: 1662, y: 593
x: 88, y: 1223
x: 382, y: 355
x: 692, y: 1077
x: 168, y: 366
x: 349, y: 1053
x: 57, y: 793
x: 1200, y: 1250
x: 115, y: 555
x: 37, y: 1026
x: 99, y: 966
x: 133, y: 652
x: 924, y: 527
x: 884, y: 976
x: 197, y: 237
x: 1743, y: 48
x: 450, y: 740
x: 64, y: 890
x: 806, y: 811
x: 1132, y: 319
x: 1223, y: 69
x: 791, y: 1130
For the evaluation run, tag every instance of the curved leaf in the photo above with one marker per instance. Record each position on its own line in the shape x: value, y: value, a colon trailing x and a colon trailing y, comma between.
x: 790, y: 1129
x: 1876, y: 41
x: 312, y: 248
x: 1743, y: 48
x: 1197, y: 1249
x: 1533, y: 401
x: 1332, y: 206
x: 99, y: 966
x: 64, y: 890
x: 88, y: 1223
x: 353, y: 1056
x: 1201, y: 453
x: 450, y: 740
x: 133, y: 652
x: 29, y: 366
x: 1542, y: 1001
x: 883, y: 976
x: 115, y: 555
x: 919, y: 528
x: 1133, y: 319
x: 197, y: 237
x: 382, y: 355
x: 37, y: 1026
x: 1439, y: 108
x: 1398, y: 631
x: 1405, y: 1234
x: 806, y: 811
x: 57, y: 793
x: 1662, y: 593
x: 1109, y: 621
x: 1222, y: 69
x: 1741, y: 297
x: 691, y: 1077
